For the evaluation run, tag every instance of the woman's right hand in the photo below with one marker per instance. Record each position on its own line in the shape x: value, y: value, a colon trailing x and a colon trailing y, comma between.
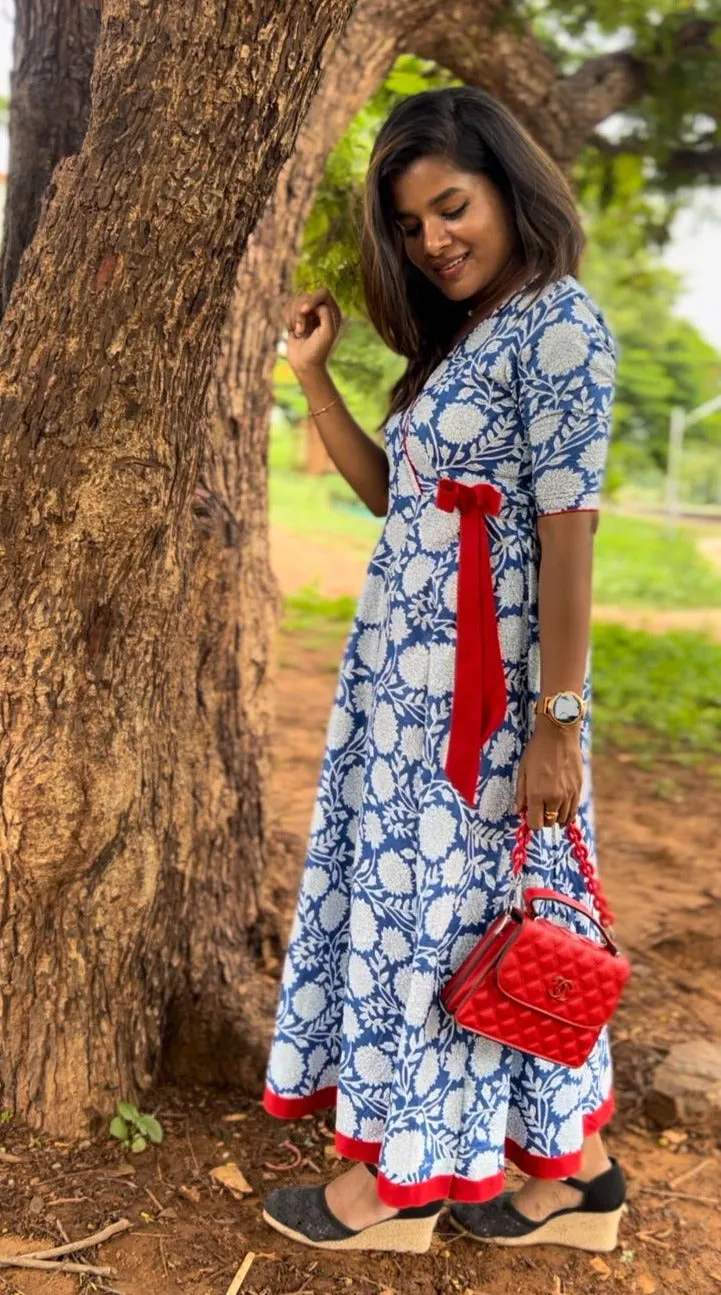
x: 313, y: 322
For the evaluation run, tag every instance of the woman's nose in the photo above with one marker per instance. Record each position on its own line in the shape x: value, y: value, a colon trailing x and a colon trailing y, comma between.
x: 435, y: 240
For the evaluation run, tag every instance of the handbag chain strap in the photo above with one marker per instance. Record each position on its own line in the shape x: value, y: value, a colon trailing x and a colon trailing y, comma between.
x: 579, y: 849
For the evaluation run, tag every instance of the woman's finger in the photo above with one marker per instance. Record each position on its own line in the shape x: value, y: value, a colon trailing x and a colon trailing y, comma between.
x: 564, y: 811
x: 536, y: 808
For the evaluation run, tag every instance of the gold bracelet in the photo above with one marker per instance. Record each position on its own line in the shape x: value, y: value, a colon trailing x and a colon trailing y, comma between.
x: 315, y: 412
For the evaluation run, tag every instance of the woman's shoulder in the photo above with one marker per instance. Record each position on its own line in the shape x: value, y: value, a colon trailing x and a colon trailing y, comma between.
x: 566, y: 306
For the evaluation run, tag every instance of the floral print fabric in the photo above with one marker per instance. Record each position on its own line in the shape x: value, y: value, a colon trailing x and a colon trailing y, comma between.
x: 402, y: 876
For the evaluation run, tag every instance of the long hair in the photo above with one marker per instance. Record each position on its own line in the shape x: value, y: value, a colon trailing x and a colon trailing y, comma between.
x: 476, y: 134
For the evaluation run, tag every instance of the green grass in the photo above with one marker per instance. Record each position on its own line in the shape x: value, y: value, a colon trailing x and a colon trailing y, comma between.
x: 658, y: 694
x: 326, y: 504
x: 639, y: 564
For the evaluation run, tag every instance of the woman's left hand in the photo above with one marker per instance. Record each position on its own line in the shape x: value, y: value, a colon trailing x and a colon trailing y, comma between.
x: 550, y: 774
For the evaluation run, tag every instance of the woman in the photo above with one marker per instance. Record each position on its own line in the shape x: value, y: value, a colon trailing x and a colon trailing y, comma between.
x: 435, y: 746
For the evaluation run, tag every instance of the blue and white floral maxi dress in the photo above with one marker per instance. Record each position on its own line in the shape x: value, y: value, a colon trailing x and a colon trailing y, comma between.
x: 403, y: 874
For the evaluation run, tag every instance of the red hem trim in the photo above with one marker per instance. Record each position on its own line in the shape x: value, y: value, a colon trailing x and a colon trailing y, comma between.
x: 443, y: 1186
x: 561, y: 512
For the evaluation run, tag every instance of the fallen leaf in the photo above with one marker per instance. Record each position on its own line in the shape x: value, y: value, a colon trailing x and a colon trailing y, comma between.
x: 119, y: 1171
x: 557, y: 1285
x: 231, y: 1177
x: 9, y: 1159
x: 191, y: 1193
x: 235, y: 1117
x: 646, y: 1285
x: 675, y: 1136
x: 600, y: 1267
x: 330, y: 1153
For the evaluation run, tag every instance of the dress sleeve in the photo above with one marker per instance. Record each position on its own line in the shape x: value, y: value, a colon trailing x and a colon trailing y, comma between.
x: 566, y: 373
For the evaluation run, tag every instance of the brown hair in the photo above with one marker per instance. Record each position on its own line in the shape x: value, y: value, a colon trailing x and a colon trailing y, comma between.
x: 478, y: 135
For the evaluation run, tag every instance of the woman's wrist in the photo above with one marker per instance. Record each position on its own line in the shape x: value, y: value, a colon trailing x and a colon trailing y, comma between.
x: 562, y: 733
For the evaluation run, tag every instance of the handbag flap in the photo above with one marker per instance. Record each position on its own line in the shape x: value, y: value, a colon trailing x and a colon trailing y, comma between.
x: 562, y: 974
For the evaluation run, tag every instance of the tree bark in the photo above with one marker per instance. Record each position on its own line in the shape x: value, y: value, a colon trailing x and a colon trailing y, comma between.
x: 105, y: 354
x: 54, y: 49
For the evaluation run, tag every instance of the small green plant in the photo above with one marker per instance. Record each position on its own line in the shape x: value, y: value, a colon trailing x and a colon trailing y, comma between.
x: 133, y: 1129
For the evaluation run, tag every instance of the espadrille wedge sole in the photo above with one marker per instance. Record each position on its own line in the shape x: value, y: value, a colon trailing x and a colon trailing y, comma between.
x: 400, y: 1235
x: 576, y: 1230
x: 590, y: 1225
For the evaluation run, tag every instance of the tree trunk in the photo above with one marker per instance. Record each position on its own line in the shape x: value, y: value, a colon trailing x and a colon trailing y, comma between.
x: 50, y: 99
x: 107, y: 908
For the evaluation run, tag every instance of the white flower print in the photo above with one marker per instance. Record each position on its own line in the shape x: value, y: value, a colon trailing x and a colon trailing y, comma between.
x: 399, y: 626
x: 317, y: 1059
x: 457, y: 1061
x: 419, y: 997
x: 371, y: 1129
x: 286, y: 1065
x: 473, y: 908
x: 485, y: 1056
x: 309, y: 1001
x: 373, y: 1065
x: 565, y: 1099
x: 395, y: 873
x: 371, y: 606
x: 360, y: 978
x: 317, y: 822
x: 385, y: 727
x: 438, y: 916
x: 450, y: 593
x: 315, y: 881
x: 569, y: 1135
x: 453, y: 1108
x: 510, y: 588
x: 438, y: 529
x: 363, y: 926
x: 402, y: 983
x: 436, y: 831
x: 395, y: 945
x: 544, y: 426
x: 373, y: 828
x: 485, y: 1164
x: 412, y: 741
x: 418, y: 571
x: 459, y: 423
x: 345, y: 1116
x: 413, y: 665
x: 563, y: 347
x: 512, y: 637
x: 403, y: 1152
x: 440, y: 673
x: 368, y: 647
x: 558, y: 489
x: 602, y: 368
x: 453, y: 868
x: 352, y: 791
x: 424, y: 409
x: 332, y: 910
x: 363, y: 697
x: 382, y: 780
x: 395, y: 532
x: 593, y: 457
x: 417, y: 454
x: 502, y: 749
x: 427, y: 1073
x: 339, y: 728
x: 351, y: 1024
x: 496, y: 798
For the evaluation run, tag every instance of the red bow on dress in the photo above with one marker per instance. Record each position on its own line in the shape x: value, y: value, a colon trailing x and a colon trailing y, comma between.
x: 479, y: 689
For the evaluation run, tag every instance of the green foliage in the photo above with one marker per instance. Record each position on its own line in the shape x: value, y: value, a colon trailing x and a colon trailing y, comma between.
x: 639, y: 564
x: 657, y: 693
x: 321, y: 505
x: 133, y: 1129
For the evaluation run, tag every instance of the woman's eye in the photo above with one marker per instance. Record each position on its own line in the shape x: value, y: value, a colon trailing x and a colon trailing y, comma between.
x: 447, y: 215
x: 453, y: 215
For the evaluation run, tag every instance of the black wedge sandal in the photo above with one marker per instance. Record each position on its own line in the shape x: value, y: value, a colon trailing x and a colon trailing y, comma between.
x: 303, y: 1214
x: 590, y: 1225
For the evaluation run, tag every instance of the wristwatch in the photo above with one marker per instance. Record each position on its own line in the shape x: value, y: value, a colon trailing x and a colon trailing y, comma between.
x: 566, y: 709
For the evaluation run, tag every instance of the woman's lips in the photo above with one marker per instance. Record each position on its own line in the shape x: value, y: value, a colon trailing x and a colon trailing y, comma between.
x: 454, y: 268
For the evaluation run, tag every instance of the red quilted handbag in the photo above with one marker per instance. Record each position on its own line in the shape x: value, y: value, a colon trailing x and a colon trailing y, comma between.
x: 536, y: 985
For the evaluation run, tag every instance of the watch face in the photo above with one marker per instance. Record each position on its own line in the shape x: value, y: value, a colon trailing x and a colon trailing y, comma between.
x: 565, y: 708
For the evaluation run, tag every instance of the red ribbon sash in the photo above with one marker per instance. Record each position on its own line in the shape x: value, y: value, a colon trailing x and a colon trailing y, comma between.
x: 479, y: 688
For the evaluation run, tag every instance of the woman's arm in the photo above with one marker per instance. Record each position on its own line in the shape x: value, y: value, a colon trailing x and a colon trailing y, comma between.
x: 551, y: 770
x: 313, y: 322
x: 363, y: 463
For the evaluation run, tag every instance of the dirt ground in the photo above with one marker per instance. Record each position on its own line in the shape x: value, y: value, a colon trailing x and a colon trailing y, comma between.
x: 658, y: 841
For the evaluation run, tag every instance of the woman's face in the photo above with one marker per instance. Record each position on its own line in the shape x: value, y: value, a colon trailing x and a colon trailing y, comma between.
x: 455, y: 227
